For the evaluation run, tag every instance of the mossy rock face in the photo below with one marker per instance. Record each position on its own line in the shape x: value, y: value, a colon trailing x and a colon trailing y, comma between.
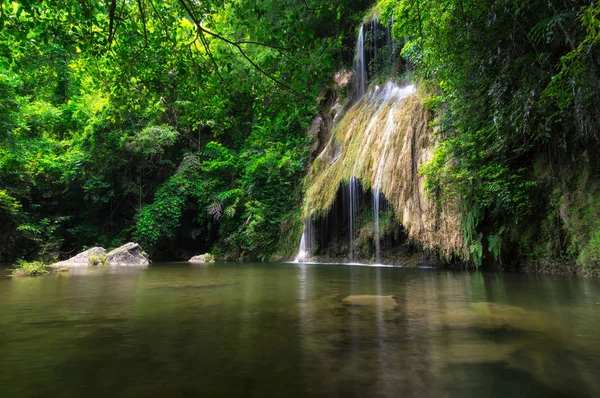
x: 383, y: 141
x: 387, y: 302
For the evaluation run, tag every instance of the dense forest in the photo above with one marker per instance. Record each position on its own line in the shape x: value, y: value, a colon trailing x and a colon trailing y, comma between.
x: 182, y: 125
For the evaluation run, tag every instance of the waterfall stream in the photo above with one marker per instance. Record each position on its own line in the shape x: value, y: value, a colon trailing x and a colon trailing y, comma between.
x: 305, y: 249
x: 400, y: 93
x: 353, y: 207
x: 380, y: 103
x: 376, y: 195
x: 360, y: 70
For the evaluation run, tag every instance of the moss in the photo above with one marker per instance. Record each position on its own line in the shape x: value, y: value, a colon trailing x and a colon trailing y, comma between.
x: 385, y: 145
x: 584, y: 226
x: 567, y: 238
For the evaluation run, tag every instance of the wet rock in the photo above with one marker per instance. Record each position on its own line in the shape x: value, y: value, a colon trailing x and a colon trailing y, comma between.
x: 314, y: 133
x: 364, y: 300
x: 93, y: 256
x: 130, y: 254
x: 202, y: 258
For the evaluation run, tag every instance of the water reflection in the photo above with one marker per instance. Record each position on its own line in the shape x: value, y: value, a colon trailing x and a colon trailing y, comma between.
x: 299, y: 330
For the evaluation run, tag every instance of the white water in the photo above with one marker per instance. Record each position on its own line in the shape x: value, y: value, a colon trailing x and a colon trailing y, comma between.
x: 360, y: 69
x: 305, y: 249
x: 302, y: 253
x: 376, y: 194
x: 353, y: 206
x: 399, y: 94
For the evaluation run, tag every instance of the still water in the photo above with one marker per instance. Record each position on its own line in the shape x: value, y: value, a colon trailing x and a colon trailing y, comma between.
x: 290, y: 330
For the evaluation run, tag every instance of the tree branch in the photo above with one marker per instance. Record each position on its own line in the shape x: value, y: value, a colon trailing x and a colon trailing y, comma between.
x: 160, y: 18
x: 111, y: 19
x: 230, y: 42
x: 143, y: 16
x: 311, y: 8
x: 212, y: 59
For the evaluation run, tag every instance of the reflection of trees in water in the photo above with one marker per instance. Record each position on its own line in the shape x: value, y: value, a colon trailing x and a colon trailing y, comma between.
x: 364, y: 350
x: 444, y: 338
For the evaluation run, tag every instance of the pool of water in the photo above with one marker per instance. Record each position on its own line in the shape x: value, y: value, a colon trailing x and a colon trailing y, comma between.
x: 291, y: 330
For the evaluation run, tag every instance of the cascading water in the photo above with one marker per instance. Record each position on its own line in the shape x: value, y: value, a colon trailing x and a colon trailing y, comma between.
x: 375, y: 56
x: 398, y: 94
x: 305, y: 249
x: 360, y: 70
x: 376, y: 195
x: 353, y: 207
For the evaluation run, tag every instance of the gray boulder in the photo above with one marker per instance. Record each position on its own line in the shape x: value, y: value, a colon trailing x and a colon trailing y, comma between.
x: 93, y: 256
x: 202, y: 258
x: 130, y: 254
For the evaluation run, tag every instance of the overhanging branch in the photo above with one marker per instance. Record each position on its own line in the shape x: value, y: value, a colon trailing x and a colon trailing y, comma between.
x: 237, y: 45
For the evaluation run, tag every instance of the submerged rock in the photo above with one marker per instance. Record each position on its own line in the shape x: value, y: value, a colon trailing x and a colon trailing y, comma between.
x: 93, y: 256
x: 202, y: 258
x: 378, y: 301
x: 130, y: 254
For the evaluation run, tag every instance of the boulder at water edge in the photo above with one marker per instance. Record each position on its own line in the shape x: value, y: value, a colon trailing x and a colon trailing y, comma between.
x: 93, y: 256
x: 202, y: 258
x: 130, y: 254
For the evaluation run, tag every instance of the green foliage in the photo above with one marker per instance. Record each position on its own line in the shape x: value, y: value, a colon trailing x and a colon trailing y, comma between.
x: 43, y: 234
x: 153, y: 140
x: 29, y: 268
x: 97, y: 260
x: 176, y: 122
x: 9, y: 204
x: 515, y: 81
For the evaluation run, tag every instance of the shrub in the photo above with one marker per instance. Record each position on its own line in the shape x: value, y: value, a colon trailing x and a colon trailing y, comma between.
x: 27, y: 268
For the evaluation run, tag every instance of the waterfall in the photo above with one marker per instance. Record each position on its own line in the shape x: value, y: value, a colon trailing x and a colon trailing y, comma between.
x: 353, y: 208
x: 376, y: 194
x: 360, y: 70
x: 305, y: 249
x: 375, y: 55
x: 375, y: 109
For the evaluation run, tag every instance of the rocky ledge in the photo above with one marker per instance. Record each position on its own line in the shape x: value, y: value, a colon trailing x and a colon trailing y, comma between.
x: 130, y: 254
